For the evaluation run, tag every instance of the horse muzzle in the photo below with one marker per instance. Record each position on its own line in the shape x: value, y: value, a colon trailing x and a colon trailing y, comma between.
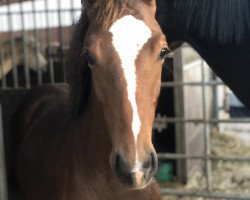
x: 134, y: 177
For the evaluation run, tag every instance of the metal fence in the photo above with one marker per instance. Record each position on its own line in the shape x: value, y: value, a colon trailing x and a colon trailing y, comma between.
x: 32, y: 31
x: 208, y: 122
x: 41, y: 29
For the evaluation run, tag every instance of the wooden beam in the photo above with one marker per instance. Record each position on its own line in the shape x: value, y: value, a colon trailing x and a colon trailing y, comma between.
x: 6, y: 2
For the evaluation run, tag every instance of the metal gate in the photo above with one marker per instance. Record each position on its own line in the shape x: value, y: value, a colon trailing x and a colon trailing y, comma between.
x: 34, y: 37
x: 31, y: 30
x: 209, y: 121
x: 40, y: 29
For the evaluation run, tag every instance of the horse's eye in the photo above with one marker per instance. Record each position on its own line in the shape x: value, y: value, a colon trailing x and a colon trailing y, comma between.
x: 89, y: 58
x: 164, y: 53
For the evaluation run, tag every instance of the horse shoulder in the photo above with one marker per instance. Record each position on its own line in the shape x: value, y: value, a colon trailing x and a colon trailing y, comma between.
x: 41, y: 101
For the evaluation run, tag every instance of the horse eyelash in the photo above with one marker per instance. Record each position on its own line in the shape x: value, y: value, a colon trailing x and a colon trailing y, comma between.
x: 90, y: 60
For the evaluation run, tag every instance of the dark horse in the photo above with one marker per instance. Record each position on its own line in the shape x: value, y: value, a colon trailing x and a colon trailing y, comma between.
x: 91, y: 140
x: 219, y: 30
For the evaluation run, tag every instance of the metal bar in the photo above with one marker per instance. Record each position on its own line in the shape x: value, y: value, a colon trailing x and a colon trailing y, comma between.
x: 176, y: 84
x: 215, y: 195
x: 20, y: 88
x: 42, y: 11
x: 25, y: 52
x: 197, y: 121
x: 3, y: 180
x: 215, y: 111
x: 51, y: 70
x: 208, y: 167
x: 36, y: 35
x: 61, y: 42
x: 72, y: 12
x: 60, y: 22
x: 13, y: 47
x: 180, y: 141
x: 167, y: 156
x: 4, y: 85
x: 51, y: 67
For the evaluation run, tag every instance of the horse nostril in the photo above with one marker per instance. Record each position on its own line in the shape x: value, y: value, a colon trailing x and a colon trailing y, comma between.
x: 150, y: 166
x: 131, y: 176
x: 121, y: 169
x: 146, y: 165
x: 151, y: 162
x: 154, y: 163
x: 117, y: 164
x: 120, y: 165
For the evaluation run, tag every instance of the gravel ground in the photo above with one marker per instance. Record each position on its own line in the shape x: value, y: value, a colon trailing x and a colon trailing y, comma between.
x: 232, y: 177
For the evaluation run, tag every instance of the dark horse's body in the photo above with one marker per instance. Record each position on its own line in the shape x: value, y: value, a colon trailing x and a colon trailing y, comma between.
x: 219, y: 30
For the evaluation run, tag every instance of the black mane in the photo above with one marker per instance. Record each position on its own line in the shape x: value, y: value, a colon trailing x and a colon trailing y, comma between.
x: 79, y: 74
x: 221, y: 20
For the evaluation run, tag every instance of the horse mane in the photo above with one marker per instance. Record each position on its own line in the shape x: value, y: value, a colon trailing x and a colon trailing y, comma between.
x: 78, y: 72
x: 223, y: 20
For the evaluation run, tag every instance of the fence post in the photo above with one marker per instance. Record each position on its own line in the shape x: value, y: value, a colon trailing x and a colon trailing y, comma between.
x: 181, y: 168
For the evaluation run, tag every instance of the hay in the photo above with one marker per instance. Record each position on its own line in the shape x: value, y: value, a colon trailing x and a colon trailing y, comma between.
x: 231, y: 177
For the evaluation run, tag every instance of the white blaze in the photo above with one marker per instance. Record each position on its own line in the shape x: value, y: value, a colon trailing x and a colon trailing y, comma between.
x: 129, y: 36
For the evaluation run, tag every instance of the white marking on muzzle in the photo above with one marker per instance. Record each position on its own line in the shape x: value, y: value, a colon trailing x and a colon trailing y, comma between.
x: 129, y: 36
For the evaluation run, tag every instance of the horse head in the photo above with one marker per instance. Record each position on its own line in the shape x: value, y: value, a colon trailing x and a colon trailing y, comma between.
x: 123, y: 49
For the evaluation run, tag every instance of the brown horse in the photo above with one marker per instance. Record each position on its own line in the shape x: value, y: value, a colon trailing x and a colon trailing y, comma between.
x: 92, y: 140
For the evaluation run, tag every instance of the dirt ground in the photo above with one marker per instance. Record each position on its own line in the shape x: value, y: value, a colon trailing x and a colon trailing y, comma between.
x: 232, y: 177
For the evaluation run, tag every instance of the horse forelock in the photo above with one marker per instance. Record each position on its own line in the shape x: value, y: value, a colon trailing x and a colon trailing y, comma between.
x: 104, y: 12
x: 223, y: 20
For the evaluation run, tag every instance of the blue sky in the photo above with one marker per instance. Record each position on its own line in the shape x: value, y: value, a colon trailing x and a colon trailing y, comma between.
x: 39, y: 19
